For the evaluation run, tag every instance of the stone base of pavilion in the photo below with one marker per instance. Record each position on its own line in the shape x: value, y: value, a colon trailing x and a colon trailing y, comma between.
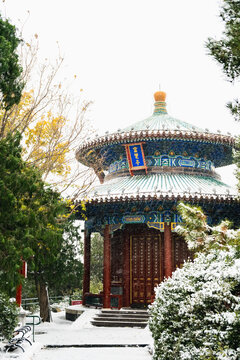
x: 125, y: 317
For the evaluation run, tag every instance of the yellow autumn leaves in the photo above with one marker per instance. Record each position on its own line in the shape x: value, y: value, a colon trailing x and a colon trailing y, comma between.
x: 45, y: 144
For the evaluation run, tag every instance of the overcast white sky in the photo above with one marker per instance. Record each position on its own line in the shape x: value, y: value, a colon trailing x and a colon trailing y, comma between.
x: 122, y: 50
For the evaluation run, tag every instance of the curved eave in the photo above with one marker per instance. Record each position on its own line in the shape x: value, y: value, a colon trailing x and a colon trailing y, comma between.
x: 162, y: 187
x: 198, y: 198
x: 136, y: 136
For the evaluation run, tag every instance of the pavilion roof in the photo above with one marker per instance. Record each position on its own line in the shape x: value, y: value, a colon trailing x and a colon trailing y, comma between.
x: 159, y: 121
x: 161, y: 185
x: 159, y: 126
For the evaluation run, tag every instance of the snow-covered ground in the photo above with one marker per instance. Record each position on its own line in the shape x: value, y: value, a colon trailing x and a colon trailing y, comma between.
x: 72, y: 336
x: 94, y: 354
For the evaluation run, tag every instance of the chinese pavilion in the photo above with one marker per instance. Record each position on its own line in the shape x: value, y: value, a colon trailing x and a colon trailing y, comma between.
x: 144, y: 171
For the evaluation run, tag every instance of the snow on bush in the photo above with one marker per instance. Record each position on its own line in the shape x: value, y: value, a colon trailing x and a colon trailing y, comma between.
x: 196, y: 314
x: 8, y: 316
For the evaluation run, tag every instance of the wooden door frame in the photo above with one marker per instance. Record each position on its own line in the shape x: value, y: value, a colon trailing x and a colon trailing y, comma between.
x: 161, y: 265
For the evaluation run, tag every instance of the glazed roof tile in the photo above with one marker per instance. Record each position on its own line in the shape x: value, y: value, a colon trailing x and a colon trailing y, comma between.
x: 160, y: 121
x: 160, y: 125
x: 164, y: 184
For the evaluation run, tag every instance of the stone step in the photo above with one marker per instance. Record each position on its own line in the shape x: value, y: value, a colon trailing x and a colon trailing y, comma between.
x: 116, y: 316
x: 119, y: 323
x: 124, y: 311
x: 120, y: 319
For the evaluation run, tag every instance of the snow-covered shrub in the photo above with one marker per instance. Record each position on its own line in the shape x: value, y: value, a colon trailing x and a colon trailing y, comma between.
x: 196, y: 314
x: 8, y: 316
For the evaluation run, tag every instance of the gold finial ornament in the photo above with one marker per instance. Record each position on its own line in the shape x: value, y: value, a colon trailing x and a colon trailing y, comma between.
x: 160, y: 96
x: 160, y: 105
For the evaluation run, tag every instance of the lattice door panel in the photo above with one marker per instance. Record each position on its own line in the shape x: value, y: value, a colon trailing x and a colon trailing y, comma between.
x: 146, y: 267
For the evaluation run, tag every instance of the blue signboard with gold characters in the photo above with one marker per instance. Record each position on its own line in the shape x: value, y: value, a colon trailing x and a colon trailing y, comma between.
x: 135, y: 156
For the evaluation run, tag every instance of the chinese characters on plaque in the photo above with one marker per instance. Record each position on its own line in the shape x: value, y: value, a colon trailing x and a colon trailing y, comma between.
x: 135, y: 156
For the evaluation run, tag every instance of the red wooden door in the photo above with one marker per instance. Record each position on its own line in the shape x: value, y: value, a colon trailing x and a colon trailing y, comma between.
x: 145, y: 267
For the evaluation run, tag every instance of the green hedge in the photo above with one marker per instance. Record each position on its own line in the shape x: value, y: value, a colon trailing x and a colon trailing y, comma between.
x: 8, y: 316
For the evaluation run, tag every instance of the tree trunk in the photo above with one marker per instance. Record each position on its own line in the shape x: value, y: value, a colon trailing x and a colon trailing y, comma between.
x: 42, y: 291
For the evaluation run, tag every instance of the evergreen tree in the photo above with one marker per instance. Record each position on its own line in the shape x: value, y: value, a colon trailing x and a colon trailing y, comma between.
x: 64, y: 272
x: 8, y: 316
x: 226, y: 52
x: 17, y: 183
x: 96, y: 273
x: 10, y: 70
x: 34, y: 226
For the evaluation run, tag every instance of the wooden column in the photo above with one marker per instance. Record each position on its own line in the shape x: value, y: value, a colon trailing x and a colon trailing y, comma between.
x: 107, y: 268
x: 86, y: 260
x: 167, y: 250
x: 126, y: 271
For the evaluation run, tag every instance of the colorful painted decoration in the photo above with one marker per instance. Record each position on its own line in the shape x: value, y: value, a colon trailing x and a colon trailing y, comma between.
x: 165, y: 160
x: 136, y: 158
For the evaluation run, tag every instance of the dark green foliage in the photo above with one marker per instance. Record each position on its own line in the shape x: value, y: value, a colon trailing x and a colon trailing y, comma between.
x: 8, y: 316
x: 226, y: 51
x: 28, y: 214
x: 29, y: 287
x: 234, y: 107
x: 96, y: 274
x: 64, y: 273
x: 10, y: 71
x: 34, y: 226
x: 14, y: 185
x: 97, y: 257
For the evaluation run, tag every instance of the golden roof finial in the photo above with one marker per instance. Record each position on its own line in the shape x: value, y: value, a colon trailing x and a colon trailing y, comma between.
x: 160, y: 105
x: 160, y: 96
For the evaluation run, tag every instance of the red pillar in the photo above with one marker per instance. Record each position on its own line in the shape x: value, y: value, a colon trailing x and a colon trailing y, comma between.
x: 167, y: 250
x: 23, y: 272
x: 19, y: 295
x: 86, y: 259
x: 126, y: 271
x: 107, y: 268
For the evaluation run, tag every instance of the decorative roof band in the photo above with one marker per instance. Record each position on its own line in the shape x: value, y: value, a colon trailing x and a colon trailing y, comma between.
x: 167, y: 195
x: 157, y: 134
x: 160, y: 107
